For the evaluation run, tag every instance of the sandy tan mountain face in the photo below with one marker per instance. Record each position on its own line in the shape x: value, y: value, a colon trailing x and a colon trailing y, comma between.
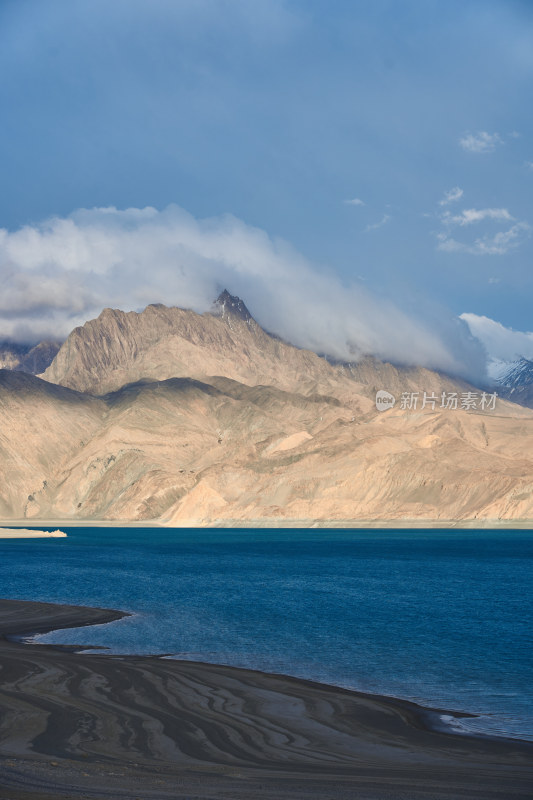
x: 41, y: 426
x: 187, y: 452
x: 194, y: 419
x: 121, y: 347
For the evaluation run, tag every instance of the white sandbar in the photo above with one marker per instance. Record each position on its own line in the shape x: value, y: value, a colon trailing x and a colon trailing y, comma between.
x: 25, y: 533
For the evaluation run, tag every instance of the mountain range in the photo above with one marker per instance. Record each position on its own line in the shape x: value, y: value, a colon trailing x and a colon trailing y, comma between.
x: 181, y: 418
x: 28, y: 358
x: 517, y: 382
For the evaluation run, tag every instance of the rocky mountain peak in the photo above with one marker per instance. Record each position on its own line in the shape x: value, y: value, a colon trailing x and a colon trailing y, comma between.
x: 517, y: 383
x: 520, y: 374
x: 230, y: 304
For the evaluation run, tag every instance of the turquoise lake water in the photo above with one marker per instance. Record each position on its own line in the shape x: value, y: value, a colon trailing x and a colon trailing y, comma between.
x: 440, y: 617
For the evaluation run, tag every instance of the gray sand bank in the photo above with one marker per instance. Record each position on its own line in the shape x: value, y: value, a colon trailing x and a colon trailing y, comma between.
x: 100, y: 726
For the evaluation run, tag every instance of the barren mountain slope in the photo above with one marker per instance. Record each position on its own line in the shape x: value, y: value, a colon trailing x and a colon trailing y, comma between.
x: 25, y: 358
x: 11, y: 355
x: 186, y: 452
x: 42, y: 426
x: 124, y: 347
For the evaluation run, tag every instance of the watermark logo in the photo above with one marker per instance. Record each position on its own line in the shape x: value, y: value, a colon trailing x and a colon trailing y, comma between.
x: 411, y: 401
x: 384, y: 400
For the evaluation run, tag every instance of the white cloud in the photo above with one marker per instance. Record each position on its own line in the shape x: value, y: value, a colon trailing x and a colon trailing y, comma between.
x: 502, y: 242
x: 62, y: 272
x: 501, y: 343
x: 481, y: 142
x: 528, y: 164
x: 376, y: 225
x: 471, y: 215
x: 497, y: 245
x: 451, y: 196
x: 492, y: 244
x: 355, y: 202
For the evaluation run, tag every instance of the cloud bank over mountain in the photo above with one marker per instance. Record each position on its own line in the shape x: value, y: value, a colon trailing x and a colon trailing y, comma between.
x: 61, y: 272
x: 501, y: 343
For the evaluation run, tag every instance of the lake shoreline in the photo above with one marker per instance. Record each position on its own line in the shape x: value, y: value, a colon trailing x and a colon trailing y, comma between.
x: 210, y: 725
x: 282, y: 523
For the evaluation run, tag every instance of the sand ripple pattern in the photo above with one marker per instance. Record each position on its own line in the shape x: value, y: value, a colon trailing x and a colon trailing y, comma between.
x: 96, y: 712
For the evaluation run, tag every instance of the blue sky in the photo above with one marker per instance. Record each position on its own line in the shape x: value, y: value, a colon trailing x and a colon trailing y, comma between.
x: 281, y: 113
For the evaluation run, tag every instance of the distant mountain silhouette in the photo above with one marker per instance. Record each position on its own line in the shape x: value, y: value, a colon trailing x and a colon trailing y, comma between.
x: 517, y: 383
x: 33, y: 359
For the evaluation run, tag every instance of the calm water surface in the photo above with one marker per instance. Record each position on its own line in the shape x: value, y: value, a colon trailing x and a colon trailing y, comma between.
x: 440, y: 617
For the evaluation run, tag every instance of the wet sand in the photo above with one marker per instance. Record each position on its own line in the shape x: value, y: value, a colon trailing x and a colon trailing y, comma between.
x: 93, y: 725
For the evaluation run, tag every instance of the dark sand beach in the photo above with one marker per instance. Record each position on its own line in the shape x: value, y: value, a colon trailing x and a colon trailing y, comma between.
x: 75, y: 725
